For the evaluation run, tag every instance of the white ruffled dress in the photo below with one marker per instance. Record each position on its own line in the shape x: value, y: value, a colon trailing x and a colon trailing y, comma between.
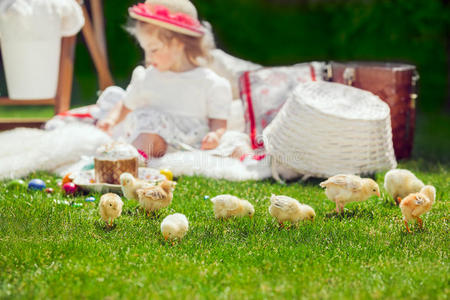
x: 176, y: 106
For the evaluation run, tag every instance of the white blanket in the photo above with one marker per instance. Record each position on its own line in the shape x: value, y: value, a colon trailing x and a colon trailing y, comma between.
x: 25, y: 150
x: 205, y: 164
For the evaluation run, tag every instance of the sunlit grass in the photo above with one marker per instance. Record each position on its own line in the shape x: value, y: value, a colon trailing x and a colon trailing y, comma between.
x: 51, y: 250
x: 55, y: 250
x: 12, y: 112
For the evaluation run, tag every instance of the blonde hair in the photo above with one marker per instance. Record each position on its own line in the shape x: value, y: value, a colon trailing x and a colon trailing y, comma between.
x: 196, y: 49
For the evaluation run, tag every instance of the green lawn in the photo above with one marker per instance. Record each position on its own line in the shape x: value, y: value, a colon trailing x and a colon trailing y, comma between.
x: 26, y: 112
x: 50, y: 250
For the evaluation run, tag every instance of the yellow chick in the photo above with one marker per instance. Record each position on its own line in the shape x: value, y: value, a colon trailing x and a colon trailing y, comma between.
x: 399, y: 183
x: 415, y: 205
x: 153, y: 198
x: 110, y: 207
x: 343, y: 189
x: 174, y: 226
x: 284, y: 208
x: 130, y: 185
x: 226, y: 206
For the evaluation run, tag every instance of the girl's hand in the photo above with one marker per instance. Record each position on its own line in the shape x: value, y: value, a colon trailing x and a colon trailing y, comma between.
x: 210, y: 141
x: 115, y: 116
x: 106, y: 125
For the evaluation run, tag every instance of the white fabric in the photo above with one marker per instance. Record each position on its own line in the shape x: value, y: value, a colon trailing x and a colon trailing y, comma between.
x: 217, y: 163
x: 111, y: 95
x: 176, y: 130
x: 264, y: 92
x: 107, y: 101
x: 46, y: 150
x: 229, y: 141
x: 176, y: 106
x: 198, y: 93
x: 202, y: 163
x: 230, y: 67
x: 327, y: 128
x: 28, y: 15
x: 61, y: 120
x: 71, y: 147
x: 236, y: 121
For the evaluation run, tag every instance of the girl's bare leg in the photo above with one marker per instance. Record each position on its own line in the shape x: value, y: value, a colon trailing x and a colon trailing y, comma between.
x: 152, y: 144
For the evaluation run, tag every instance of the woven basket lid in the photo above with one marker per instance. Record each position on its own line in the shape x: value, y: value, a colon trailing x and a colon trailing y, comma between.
x: 327, y: 128
x: 341, y: 101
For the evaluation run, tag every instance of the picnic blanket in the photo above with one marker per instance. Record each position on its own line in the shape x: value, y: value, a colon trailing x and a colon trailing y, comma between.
x: 68, y: 147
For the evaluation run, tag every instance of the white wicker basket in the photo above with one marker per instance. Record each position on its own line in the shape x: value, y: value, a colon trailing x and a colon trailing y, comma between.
x: 327, y: 128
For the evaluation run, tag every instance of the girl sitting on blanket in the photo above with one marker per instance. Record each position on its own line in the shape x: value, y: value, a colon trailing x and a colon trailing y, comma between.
x: 173, y: 101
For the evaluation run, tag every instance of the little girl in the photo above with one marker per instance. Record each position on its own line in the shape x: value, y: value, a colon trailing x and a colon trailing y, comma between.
x: 174, y: 101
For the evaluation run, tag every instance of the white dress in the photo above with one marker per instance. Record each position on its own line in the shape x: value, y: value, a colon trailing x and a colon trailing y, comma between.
x: 176, y: 106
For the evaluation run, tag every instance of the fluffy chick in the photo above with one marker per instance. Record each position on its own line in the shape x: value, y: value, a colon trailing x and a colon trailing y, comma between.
x: 174, y: 226
x: 399, y: 183
x: 153, y: 198
x: 284, y: 208
x: 343, y: 189
x: 226, y: 206
x: 110, y: 207
x: 130, y: 185
x: 416, y: 204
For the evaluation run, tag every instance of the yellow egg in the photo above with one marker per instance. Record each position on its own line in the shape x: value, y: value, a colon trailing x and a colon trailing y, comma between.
x: 167, y: 173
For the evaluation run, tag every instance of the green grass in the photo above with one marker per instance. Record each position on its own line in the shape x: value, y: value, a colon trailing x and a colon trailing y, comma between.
x: 50, y: 250
x: 7, y: 112
x: 53, y: 250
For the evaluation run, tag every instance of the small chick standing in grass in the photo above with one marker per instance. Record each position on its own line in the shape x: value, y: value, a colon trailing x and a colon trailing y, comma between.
x: 110, y: 207
x: 343, y: 189
x: 174, y: 226
x: 130, y: 185
x: 399, y: 183
x: 156, y: 197
x: 226, y: 206
x: 417, y: 204
x: 284, y: 208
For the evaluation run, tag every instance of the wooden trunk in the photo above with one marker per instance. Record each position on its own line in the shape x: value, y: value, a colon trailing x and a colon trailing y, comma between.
x: 395, y: 84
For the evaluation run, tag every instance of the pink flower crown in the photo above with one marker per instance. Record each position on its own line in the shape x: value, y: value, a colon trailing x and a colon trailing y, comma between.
x: 161, y: 16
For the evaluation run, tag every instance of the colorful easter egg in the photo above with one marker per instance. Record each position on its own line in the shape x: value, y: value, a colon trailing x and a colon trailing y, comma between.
x: 36, y: 184
x: 167, y: 173
x: 17, y: 184
x: 70, y: 188
x: 90, y: 199
x: 66, y: 178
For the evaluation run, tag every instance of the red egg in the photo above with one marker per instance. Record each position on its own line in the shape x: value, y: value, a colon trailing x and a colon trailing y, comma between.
x: 70, y: 188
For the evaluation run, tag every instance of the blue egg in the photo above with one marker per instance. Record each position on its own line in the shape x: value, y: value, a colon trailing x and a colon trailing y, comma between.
x: 36, y: 184
x: 206, y: 197
x: 90, y: 199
